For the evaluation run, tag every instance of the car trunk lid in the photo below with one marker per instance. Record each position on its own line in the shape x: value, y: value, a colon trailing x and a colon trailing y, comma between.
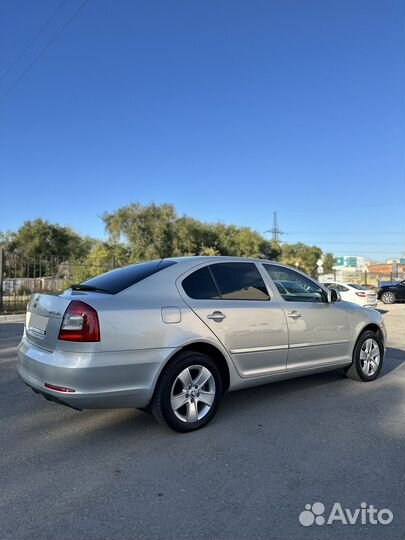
x: 44, y: 318
x: 371, y: 296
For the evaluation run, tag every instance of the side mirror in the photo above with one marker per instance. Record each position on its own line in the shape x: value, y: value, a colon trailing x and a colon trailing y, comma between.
x: 333, y: 295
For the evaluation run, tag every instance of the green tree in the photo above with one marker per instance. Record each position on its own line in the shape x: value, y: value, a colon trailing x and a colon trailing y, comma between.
x: 148, y: 230
x: 102, y: 258
x: 329, y: 261
x: 192, y: 237
x: 302, y: 256
x: 41, y: 239
x: 155, y: 231
x: 270, y: 250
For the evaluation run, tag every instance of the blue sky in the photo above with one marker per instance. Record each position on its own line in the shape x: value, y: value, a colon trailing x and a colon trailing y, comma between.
x: 227, y: 109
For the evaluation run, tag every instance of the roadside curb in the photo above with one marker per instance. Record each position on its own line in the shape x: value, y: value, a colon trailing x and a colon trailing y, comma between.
x: 12, y: 318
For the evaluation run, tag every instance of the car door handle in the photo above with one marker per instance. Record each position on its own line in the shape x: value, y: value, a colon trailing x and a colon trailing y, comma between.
x: 216, y: 316
x: 294, y: 314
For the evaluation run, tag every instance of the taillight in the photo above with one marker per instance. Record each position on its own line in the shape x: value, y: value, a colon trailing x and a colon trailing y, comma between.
x: 361, y: 294
x: 80, y: 323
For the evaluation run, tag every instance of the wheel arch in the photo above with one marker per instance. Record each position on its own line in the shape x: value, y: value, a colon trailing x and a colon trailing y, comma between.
x: 216, y: 354
x: 204, y: 348
x: 373, y: 327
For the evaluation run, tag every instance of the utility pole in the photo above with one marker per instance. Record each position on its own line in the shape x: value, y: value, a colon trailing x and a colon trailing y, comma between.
x: 275, y: 231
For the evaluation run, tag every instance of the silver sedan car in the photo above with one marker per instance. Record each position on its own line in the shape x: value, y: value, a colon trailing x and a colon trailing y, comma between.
x: 173, y: 335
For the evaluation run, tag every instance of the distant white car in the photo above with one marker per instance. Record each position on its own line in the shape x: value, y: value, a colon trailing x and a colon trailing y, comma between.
x: 351, y: 292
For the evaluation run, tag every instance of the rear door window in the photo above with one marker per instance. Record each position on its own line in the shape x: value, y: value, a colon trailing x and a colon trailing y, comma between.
x: 239, y: 281
x: 200, y: 285
x: 226, y: 281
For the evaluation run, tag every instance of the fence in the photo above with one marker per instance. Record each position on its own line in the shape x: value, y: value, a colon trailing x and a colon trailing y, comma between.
x: 21, y: 276
x: 362, y: 277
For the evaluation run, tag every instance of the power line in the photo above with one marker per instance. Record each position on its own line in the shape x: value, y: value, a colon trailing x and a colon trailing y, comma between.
x: 349, y: 232
x: 50, y: 19
x: 80, y: 8
x: 362, y: 243
x: 350, y: 251
x: 302, y: 210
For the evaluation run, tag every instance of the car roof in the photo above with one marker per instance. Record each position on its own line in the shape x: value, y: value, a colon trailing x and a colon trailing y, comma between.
x: 190, y: 262
x: 204, y: 258
x: 195, y: 260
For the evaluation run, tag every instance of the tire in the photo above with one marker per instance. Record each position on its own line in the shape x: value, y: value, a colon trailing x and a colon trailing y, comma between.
x: 368, y: 358
x: 182, y: 399
x: 388, y: 297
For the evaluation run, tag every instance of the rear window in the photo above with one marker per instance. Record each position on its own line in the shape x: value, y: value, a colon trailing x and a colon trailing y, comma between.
x: 359, y: 287
x: 122, y: 278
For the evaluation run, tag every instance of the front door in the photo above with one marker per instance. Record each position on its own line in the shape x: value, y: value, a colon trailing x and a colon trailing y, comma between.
x: 319, y: 331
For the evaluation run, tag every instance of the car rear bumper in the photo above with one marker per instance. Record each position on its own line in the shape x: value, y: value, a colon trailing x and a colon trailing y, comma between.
x: 100, y: 380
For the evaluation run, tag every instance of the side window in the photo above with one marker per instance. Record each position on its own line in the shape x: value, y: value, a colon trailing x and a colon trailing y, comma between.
x: 338, y: 287
x: 239, y: 281
x: 281, y: 289
x: 200, y: 285
x: 294, y: 287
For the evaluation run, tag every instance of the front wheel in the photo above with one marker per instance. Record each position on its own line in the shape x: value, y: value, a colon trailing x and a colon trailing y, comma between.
x: 188, y: 392
x: 367, y: 358
x: 388, y: 297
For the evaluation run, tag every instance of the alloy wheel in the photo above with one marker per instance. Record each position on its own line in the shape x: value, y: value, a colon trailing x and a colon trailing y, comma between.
x: 370, y: 357
x: 388, y: 298
x: 193, y: 393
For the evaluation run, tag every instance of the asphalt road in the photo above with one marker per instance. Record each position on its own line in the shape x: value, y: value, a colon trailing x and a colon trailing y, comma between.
x: 119, y: 475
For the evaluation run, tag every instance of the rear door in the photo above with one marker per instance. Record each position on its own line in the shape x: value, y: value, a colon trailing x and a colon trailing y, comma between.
x: 233, y: 301
x: 319, y: 331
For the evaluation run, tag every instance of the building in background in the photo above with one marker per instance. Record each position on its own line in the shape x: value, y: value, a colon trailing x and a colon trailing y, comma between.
x: 356, y: 269
x: 350, y: 261
x: 348, y: 269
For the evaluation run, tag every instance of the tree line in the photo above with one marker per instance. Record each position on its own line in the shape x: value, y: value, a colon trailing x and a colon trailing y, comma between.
x: 138, y: 233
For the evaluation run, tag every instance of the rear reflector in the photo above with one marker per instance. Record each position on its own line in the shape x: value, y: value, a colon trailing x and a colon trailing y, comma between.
x: 58, y: 388
x: 80, y: 323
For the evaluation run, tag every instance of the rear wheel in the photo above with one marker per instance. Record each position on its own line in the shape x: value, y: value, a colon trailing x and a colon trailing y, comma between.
x: 367, y: 358
x: 188, y: 392
x: 388, y: 297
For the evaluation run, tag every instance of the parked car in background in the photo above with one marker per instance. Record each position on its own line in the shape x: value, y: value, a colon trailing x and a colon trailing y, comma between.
x: 358, y: 294
x: 175, y: 334
x: 370, y: 287
x: 389, y: 294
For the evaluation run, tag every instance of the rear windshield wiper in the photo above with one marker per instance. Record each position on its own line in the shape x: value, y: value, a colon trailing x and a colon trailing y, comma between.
x: 90, y: 288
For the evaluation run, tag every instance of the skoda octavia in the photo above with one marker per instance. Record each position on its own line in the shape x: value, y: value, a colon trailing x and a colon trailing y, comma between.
x: 174, y: 335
